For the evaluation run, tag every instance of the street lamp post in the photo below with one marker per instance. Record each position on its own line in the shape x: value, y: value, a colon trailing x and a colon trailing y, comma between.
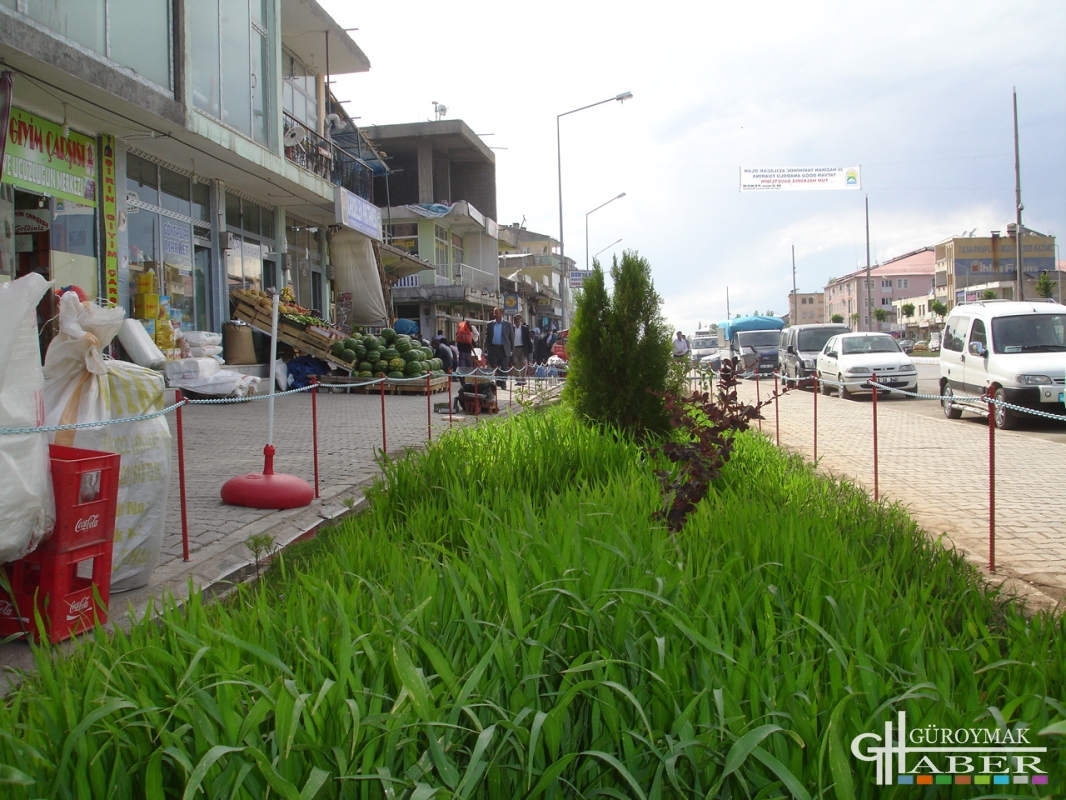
x: 597, y: 208
x: 616, y: 241
x: 621, y: 98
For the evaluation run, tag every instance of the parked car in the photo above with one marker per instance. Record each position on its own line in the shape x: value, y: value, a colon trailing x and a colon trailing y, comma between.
x: 702, y: 346
x: 1012, y: 351
x: 849, y: 360
x: 799, y: 348
x: 906, y: 345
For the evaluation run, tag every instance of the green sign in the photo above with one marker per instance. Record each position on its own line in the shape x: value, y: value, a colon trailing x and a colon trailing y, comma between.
x: 40, y: 158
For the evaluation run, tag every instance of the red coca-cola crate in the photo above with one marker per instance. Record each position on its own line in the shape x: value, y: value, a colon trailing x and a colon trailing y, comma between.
x: 67, y: 580
x: 85, y: 483
x: 70, y: 591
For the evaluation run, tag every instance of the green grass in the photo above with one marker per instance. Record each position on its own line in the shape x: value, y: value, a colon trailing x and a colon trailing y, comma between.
x: 506, y: 621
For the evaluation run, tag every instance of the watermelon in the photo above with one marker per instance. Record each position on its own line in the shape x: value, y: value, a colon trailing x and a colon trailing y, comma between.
x: 397, y: 364
x: 360, y: 350
x: 388, y: 334
x: 373, y: 354
x: 370, y: 342
x: 411, y: 370
x: 403, y: 337
x: 348, y: 356
x: 366, y: 366
x: 357, y: 336
x: 381, y: 366
x: 389, y: 353
x: 402, y: 347
x: 396, y: 374
x: 350, y: 343
x: 365, y: 373
x: 410, y: 356
x: 336, y: 348
x: 437, y: 364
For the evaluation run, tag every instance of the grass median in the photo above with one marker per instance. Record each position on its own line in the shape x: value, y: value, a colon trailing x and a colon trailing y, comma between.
x: 506, y: 620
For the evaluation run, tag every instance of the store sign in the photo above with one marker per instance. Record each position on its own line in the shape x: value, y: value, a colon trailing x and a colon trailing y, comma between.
x: 111, y: 219
x: 510, y: 303
x: 358, y: 214
x: 776, y: 179
x: 33, y: 221
x: 40, y: 158
x: 177, y: 246
x: 577, y: 278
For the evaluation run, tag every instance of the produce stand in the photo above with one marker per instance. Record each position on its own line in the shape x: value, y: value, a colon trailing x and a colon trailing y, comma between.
x: 392, y: 385
x: 303, y: 339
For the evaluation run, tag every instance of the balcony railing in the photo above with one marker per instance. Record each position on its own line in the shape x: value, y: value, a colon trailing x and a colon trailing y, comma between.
x: 425, y: 278
x: 319, y: 155
x: 465, y: 275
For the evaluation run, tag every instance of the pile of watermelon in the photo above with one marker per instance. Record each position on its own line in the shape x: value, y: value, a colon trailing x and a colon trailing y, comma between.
x: 395, y: 355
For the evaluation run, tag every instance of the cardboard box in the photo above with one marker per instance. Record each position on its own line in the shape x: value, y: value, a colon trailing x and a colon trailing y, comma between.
x: 146, y: 283
x: 146, y: 306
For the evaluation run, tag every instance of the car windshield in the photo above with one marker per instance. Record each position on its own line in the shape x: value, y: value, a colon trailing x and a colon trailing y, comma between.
x: 1029, y: 333
x: 704, y: 344
x: 759, y: 338
x: 868, y: 344
x: 814, y: 340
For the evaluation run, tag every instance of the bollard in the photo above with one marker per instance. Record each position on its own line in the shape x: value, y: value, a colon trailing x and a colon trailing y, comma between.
x: 873, y: 382
x: 777, y: 413
x: 314, y: 426
x: 429, y: 409
x: 991, y: 486
x: 477, y: 400
x: 758, y: 397
x: 817, y: 391
x: 449, y: 398
x: 384, y: 448
x: 181, y: 477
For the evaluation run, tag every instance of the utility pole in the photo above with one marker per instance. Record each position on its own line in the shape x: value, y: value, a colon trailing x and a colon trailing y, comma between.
x: 795, y: 297
x: 1018, y: 206
x: 727, y: 303
x: 869, y: 306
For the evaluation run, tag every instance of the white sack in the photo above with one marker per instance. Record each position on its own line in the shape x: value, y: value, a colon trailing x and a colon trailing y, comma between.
x: 81, y: 386
x: 201, y: 338
x: 191, y: 368
x: 203, y: 351
x: 27, y: 510
x: 139, y: 346
x: 225, y: 383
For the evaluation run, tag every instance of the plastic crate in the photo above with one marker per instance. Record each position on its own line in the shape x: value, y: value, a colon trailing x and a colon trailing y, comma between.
x: 85, y: 483
x: 70, y: 591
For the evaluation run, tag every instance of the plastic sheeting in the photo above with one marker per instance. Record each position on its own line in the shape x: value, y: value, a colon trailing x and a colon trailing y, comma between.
x: 357, y: 273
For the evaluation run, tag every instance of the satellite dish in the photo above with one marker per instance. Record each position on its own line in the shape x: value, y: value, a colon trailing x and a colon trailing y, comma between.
x: 293, y: 136
x: 442, y: 110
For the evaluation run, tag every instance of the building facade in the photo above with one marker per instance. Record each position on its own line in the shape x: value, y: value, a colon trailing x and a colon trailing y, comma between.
x: 531, y: 268
x: 806, y: 308
x: 967, y: 266
x: 853, y: 297
x: 194, y: 142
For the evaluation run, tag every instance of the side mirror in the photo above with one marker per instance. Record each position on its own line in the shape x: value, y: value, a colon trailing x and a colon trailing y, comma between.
x: 790, y: 350
x: 977, y: 349
x: 832, y: 354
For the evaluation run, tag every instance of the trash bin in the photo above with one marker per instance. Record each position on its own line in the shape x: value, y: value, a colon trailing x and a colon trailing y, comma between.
x: 67, y: 580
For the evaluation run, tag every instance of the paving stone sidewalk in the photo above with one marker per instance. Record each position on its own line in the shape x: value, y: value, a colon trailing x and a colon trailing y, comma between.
x: 938, y: 469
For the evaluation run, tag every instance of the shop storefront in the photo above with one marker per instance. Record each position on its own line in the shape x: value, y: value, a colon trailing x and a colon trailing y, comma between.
x: 48, y: 209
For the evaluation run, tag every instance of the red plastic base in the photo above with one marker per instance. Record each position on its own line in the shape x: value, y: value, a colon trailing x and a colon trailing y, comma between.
x: 267, y: 489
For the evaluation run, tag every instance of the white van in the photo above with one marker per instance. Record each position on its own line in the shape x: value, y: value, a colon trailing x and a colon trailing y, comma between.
x: 1015, y: 351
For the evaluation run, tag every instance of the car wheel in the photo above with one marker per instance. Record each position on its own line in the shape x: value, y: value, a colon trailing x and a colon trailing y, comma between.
x: 844, y: 393
x: 950, y: 411
x: 1006, y: 419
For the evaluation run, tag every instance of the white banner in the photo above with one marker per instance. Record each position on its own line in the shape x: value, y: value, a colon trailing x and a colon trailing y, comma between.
x: 775, y: 179
x: 577, y: 278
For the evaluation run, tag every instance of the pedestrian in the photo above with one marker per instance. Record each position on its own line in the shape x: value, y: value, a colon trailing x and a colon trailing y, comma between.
x: 522, y: 353
x: 464, y: 342
x: 443, y: 352
x: 499, y: 342
x: 541, y: 348
x: 681, y: 346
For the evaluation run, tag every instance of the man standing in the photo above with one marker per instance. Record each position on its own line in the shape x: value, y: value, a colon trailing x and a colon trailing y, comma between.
x: 523, y: 346
x: 499, y: 341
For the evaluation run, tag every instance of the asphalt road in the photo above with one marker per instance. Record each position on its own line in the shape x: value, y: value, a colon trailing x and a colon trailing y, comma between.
x: 928, y: 383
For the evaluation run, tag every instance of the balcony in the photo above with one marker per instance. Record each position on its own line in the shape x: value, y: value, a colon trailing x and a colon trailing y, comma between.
x: 425, y: 278
x: 319, y: 155
x: 465, y: 275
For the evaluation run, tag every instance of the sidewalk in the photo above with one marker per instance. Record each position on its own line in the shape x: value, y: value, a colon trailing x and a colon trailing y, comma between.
x: 938, y: 469
x: 225, y: 440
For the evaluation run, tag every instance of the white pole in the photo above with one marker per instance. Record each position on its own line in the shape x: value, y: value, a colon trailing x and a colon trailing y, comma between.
x: 273, y: 360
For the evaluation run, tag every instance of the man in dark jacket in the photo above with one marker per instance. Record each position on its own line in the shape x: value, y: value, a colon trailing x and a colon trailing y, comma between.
x: 443, y: 352
x: 499, y: 344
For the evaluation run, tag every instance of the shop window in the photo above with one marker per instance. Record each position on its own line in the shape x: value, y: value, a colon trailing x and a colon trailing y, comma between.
x: 142, y: 179
x: 175, y: 191
x: 250, y: 217
x: 201, y: 202
x: 266, y: 222
x: 79, y: 20
x: 233, y: 211
x: 74, y: 229
x: 300, y: 95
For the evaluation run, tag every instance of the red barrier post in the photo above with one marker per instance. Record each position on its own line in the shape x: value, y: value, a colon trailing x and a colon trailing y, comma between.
x: 777, y: 413
x: 181, y: 477
x: 314, y: 426
x: 384, y: 441
x: 991, y: 486
x: 817, y: 391
x: 477, y: 400
x: 873, y: 381
x: 758, y: 397
x: 429, y: 409
x: 449, y: 398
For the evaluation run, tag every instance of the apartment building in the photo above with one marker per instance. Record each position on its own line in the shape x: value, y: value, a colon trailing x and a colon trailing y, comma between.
x: 531, y: 268
x: 854, y: 296
x: 806, y: 308
x: 968, y: 266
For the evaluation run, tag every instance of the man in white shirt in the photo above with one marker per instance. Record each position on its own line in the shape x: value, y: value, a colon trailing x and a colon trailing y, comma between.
x: 680, y: 346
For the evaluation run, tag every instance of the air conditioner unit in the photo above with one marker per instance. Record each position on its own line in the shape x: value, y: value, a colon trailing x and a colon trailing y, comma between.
x: 331, y: 272
x: 287, y: 260
x: 227, y: 241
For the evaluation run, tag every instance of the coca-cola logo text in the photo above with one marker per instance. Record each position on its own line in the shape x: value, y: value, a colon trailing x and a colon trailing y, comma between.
x: 87, y: 523
x: 80, y: 606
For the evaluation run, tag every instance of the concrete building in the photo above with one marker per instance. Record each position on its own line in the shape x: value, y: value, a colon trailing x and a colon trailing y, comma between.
x: 531, y: 268
x: 806, y: 308
x: 198, y: 145
x: 968, y: 266
x: 853, y: 296
x: 438, y: 206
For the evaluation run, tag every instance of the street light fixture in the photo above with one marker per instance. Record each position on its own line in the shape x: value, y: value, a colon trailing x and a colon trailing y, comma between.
x: 621, y: 98
x: 608, y: 247
x: 597, y: 208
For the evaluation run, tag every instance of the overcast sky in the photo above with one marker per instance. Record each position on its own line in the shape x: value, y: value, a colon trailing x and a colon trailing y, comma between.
x: 917, y: 92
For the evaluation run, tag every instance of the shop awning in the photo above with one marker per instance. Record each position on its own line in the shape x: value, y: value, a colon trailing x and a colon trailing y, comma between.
x: 356, y: 270
x: 399, y: 263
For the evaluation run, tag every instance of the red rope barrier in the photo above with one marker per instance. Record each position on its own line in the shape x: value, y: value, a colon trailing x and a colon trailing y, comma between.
x: 449, y: 398
x: 817, y: 391
x: 181, y: 480
x: 991, y: 486
x: 384, y: 447
x: 777, y: 414
x: 873, y: 380
x: 314, y: 426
